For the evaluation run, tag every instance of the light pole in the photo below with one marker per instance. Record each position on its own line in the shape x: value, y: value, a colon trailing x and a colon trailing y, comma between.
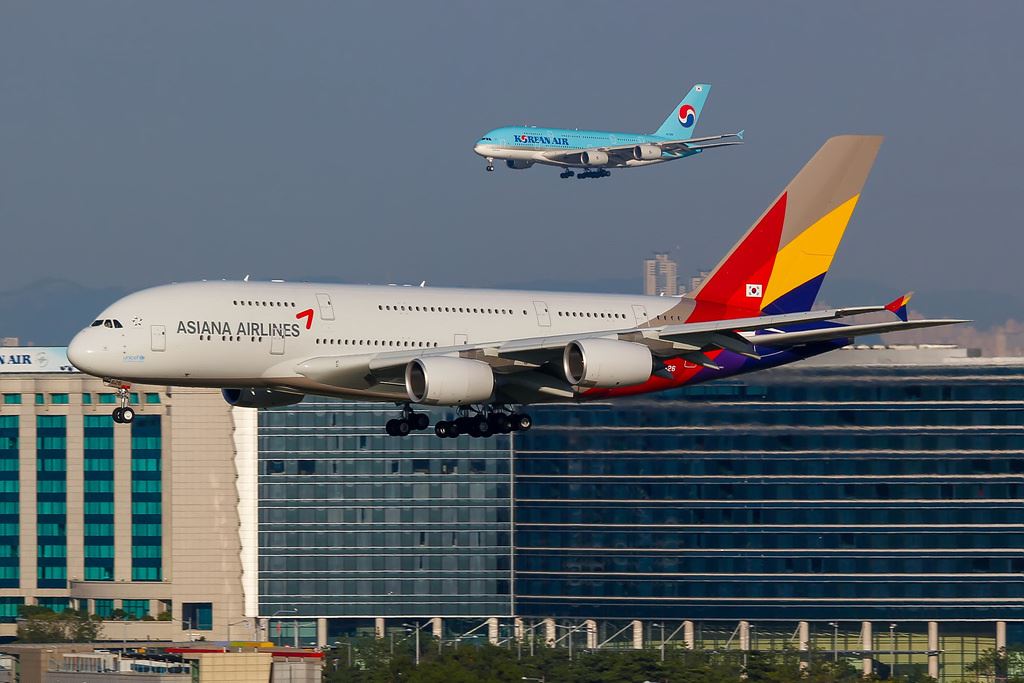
x: 662, y: 647
x: 520, y: 641
x: 234, y: 623
x: 892, y: 649
x: 416, y: 628
x: 287, y: 611
x: 835, y: 640
x: 572, y: 629
x: 349, y: 646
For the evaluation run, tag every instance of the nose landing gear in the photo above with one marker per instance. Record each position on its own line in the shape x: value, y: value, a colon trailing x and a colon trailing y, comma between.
x: 490, y: 164
x: 125, y: 413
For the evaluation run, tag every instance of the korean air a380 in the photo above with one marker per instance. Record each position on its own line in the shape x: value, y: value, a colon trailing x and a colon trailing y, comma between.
x: 596, y: 151
x: 486, y: 354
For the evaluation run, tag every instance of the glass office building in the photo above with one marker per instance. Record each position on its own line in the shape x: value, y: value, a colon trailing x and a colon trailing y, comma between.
x: 356, y: 524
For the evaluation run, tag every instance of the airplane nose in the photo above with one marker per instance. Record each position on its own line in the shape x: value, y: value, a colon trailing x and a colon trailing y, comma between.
x: 83, y: 351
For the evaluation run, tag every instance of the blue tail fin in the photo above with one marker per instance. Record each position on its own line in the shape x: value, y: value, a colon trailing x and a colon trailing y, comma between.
x: 681, y: 123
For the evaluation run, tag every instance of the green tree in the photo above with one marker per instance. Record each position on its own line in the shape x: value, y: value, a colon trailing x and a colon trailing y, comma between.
x: 42, y: 625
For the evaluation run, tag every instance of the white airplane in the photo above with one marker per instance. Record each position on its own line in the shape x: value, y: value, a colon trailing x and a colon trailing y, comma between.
x: 487, y: 351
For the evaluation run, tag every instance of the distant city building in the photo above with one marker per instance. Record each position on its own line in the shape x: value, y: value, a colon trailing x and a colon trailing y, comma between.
x: 696, y: 281
x: 661, y: 276
x: 9, y: 341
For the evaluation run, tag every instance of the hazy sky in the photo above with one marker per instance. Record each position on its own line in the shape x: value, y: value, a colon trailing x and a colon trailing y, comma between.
x: 145, y: 142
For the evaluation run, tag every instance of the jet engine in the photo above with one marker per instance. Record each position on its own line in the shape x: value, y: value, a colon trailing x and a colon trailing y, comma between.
x: 594, y: 158
x: 606, y: 363
x: 448, y: 381
x: 252, y: 397
x: 518, y: 164
x: 646, y: 152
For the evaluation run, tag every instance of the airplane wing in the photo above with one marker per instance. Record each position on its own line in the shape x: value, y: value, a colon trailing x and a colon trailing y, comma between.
x: 622, y: 153
x: 690, y: 341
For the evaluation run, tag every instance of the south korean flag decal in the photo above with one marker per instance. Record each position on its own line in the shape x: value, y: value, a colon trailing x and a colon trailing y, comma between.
x: 754, y: 291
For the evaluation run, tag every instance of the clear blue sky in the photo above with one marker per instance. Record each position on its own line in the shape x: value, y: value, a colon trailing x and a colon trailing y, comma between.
x: 148, y: 142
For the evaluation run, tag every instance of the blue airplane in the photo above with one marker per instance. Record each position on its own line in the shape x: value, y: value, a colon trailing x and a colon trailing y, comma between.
x: 596, y: 151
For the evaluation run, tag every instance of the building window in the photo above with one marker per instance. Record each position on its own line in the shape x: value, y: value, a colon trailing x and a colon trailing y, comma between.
x: 59, y: 399
x: 197, y: 615
x: 86, y: 399
x: 12, y: 399
x: 152, y: 398
x: 40, y: 399
x: 136, y: 608
x: 108, y: 398
x: 103, y: 608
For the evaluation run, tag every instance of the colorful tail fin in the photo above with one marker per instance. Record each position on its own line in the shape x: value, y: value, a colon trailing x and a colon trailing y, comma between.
x: 681, y: 123
x: 898, y: 306
x: 779, y: 265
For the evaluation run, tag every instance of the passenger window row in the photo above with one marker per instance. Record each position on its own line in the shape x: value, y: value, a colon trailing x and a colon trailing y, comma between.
x: 377, y: 342
x: 589, y: 314
x: 272, y: 304
x: 448, y: 309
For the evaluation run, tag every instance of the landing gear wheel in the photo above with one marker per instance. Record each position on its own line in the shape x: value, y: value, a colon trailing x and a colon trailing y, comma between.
x: 464, y: 425
x: 567, y: 173
x: 443, y: 429
x: 127, y: 415
x: 521, y: 422
x: 116, y: 415
x: 481, y: 427
x: 389, y: 427
x: 500, y: 424
x: 402, y: 428
x: 490, y: 164
x: 419, y: 421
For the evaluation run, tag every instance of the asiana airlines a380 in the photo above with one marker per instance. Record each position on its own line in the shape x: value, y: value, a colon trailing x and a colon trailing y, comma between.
x: 491, y: 353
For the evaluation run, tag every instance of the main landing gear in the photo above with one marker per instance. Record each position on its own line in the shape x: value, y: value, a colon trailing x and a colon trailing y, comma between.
x: 125, y: 413
x: 409, y: 422
x: 567, y: 173
x: 481, y: 425
x: 476, y: 423
x: 591, y: 173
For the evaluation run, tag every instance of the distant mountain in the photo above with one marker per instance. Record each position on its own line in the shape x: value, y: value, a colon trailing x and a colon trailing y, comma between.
x: 50, y: 311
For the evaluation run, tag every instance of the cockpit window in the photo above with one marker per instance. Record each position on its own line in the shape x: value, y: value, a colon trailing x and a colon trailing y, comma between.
x: 118, y: 325
x: 108, y: 323
x: 96, y: 323
x: 488, y: 139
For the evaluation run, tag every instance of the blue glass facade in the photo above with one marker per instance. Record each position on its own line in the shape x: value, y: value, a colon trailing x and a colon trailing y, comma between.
x: 98, y: 497
x: 10, y: 543
x: 353, y: 523
x: 147, y: 499
x: 855, y: 493
x: 51, y: 501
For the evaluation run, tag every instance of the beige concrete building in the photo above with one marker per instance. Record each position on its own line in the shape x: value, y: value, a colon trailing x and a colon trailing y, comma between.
x: 142, y: 518
x: 661, y: 276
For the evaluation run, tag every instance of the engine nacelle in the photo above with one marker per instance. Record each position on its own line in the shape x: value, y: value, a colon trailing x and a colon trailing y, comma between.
x: 518, y: 164
x: 646, y: 152
x: 448, y: 381
x: 606, y: 363
x: 594, y: 158
x: 252, y: 397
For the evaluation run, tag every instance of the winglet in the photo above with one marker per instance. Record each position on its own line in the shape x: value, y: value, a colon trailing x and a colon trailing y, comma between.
x: 740, y: 134
x: 899, y: 306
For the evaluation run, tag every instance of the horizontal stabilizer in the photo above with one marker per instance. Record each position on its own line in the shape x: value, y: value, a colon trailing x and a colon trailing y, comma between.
x: 785, y: 339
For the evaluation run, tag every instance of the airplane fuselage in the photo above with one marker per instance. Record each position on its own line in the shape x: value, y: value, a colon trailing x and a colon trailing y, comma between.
x: 256, y: 334
x: 528, y: 144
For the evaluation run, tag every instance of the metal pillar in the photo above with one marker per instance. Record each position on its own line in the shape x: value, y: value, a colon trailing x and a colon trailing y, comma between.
x: 804, y: 638
x: 378, y: 627
x: 688, y: 638
x: 866, y: 644
x: 638, y: 634
x: 492, y: 630
x: 1000, y: 636
x: 437, y: 627
x: 591, y: 628
x: 549, y: 632
x: 321, y: 632
x: 745, y: 636
x: 933, y: 649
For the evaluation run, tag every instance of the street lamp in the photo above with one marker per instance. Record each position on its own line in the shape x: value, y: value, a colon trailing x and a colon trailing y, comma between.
x: 835, y: 640
x: 417, y: 629
x: 287, y: 611
x: 892, y: 649
x: 662, y: 626
x: 338, y: 643
x: 572, y: 629
x: 234, y: 623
